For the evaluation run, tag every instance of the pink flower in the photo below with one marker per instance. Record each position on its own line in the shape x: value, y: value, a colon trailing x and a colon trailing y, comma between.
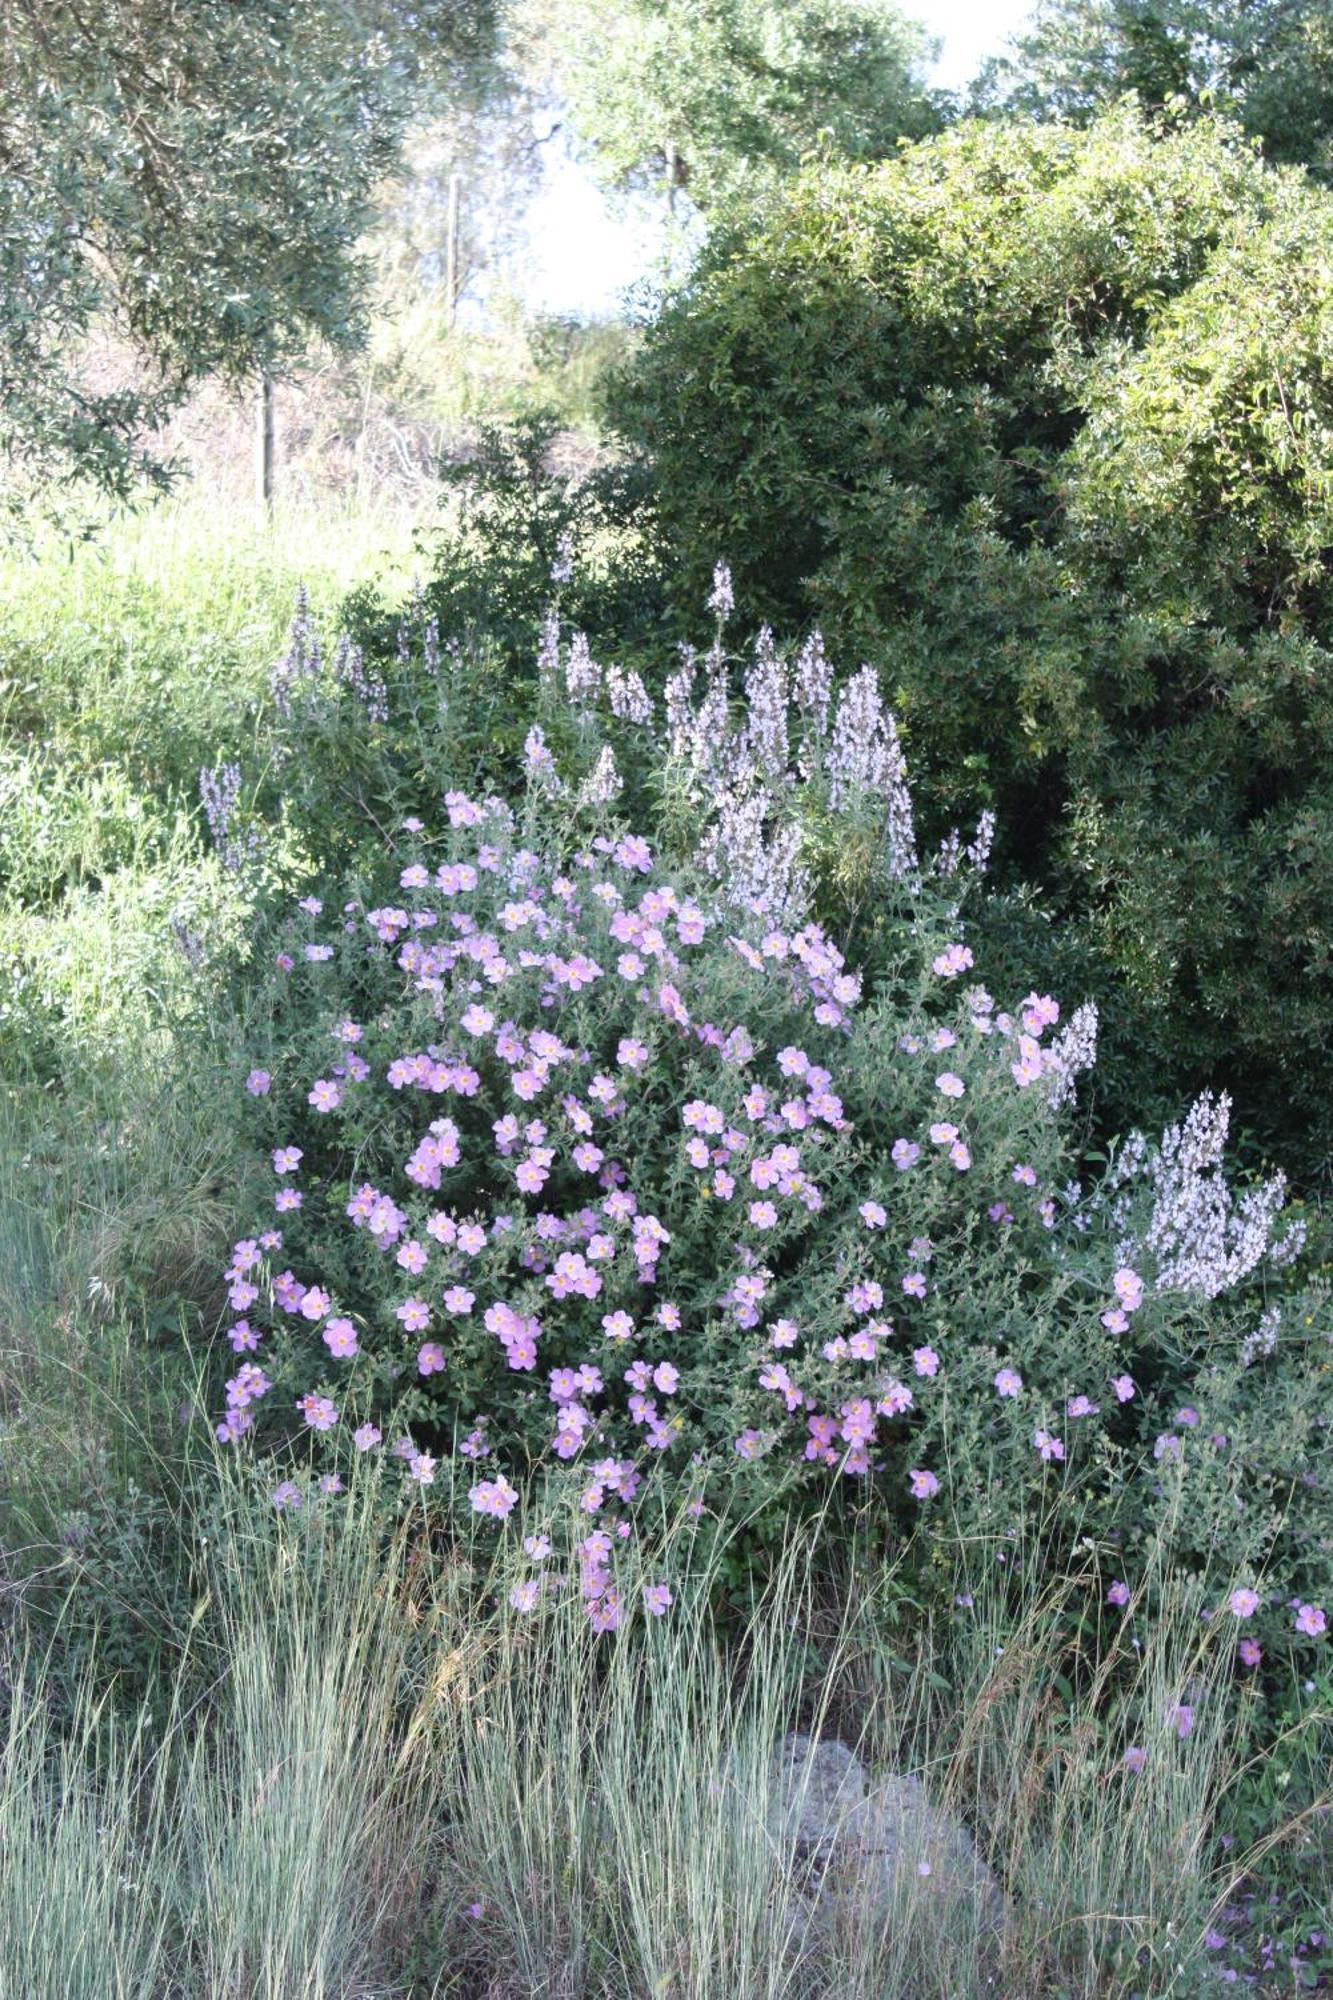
x: 872, y: 1214
x: 340, y: 1338
x: 925, y: 1361
x: 421, y: 1467
x: 1250, y: 1651
x: 1135, y: 1757
x: 324, y: 1095
x: 1124, y: 1388
x: 318, y: 1412
x: 1181, y: 1716
x: 414, y: 1314
x: 1008, y: 1382
x: 1311, y: 1620
x: 259, y: 1083
x: 524, y: 1595
x: 914, y: 1284
x: 1049, y: 1447
x: 955, y: 958
x: 430, y: 1358
x: 657, y: 1598
x: 495, y: 1497
x: 604, y: 1612
x: 1244, y: 1602
x: 949, y: 1085
x: 924, y: 1484
x: 1118, y: 1593
x: 366, y: 1436
x: 1128, y: 1288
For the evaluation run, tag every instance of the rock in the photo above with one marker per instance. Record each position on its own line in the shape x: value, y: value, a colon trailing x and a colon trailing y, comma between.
x: 866, y: 1851
x: 815, y: 1782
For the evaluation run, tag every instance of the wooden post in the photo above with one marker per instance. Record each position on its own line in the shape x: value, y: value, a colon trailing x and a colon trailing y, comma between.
x: 264, y: 443
x: 451, y: 251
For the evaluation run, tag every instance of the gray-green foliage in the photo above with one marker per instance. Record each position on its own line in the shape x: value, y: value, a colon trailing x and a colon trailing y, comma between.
x: 727, y: 95
x: 1268, y: 63
x: 191, y: 178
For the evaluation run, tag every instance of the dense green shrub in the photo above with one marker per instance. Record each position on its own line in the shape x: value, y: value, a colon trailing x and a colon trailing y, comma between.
x: 1040, y: 420
x: 534, y: 510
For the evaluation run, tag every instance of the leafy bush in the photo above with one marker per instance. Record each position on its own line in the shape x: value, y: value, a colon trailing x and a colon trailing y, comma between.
x: 530, y: 507
x: 1040, y: 419
x: 689, y: 1201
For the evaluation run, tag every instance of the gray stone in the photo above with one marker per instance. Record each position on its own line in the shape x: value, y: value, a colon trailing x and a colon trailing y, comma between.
x: 865, y: 1850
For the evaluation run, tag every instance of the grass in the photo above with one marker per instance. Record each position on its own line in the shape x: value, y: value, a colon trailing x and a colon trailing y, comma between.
x: 136, y: 650
x: 373, y: 1778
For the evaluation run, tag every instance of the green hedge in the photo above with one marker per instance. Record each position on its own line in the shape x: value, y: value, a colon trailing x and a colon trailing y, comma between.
x: 1039, y: 420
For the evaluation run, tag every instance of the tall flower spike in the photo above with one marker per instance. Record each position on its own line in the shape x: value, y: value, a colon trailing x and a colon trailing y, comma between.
x: 602, y: 783
x: 1073, y: 1050
x: 1203, y: 1238
x: 766, y: 720
x: 583, y: 676
x: 302, y: 660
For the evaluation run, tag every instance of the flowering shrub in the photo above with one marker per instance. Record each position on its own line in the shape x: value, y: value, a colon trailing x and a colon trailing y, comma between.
x: 619, y: 1172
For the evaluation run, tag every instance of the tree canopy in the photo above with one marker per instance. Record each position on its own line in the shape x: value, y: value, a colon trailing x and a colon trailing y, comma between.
x: 723, y: 97
x: 193, y: 177
x: 1267, y: 63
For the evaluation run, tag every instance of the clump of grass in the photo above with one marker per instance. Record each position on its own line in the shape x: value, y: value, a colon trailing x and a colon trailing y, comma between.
x: 374, y: 1775
x: 90, y: 1851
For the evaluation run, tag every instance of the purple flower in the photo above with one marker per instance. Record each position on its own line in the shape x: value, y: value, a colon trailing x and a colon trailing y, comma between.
x: 318, y: 1411
x: 259, y: 1083
x: 1311, y: 1620
x: 1118, y: 1593
x: 924, y: 1484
